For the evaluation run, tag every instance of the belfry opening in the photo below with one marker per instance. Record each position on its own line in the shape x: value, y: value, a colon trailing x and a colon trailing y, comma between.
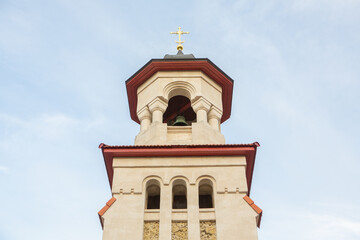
x: 179, y: 106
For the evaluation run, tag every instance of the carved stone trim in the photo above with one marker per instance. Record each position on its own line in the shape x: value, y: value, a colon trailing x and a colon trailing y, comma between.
x: 179, y: 231
x: 207, y: 230
x: 151, y: 230
x: 200, y: 103
x: 159, y: 103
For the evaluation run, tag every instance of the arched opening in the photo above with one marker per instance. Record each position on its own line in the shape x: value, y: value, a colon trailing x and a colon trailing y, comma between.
x: 179, y: 106
x: 206, y: 199
x: 179, y: 194
x: 153, y: 194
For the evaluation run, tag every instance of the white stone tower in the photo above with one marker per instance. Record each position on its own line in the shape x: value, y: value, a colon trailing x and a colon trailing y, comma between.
x: 180, y: 180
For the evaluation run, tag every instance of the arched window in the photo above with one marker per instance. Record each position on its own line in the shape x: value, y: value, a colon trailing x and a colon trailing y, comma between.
x: 179, y: 106
x: 179, y: 194
x: 153, y: 194
x: 206, y: 199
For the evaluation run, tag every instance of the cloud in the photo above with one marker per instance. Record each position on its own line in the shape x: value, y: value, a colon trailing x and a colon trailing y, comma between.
x: 334, y: 4
x: 48, y: 126
x: 4, y: 169
x: 326, y: 221
x: 332, y: 227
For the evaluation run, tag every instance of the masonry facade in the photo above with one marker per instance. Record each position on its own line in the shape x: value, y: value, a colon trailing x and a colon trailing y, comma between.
x: 180, y: 180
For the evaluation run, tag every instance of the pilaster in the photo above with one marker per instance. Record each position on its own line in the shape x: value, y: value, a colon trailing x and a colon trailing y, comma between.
x: 201, y: 107
x: 214, y: 117
x: 157, y: 107
x: 193, y: 213
x: 144, y: 116
x: 165, y: 213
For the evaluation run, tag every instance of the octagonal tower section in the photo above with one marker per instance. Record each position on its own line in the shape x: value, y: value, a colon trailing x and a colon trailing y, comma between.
x: 179, y: 101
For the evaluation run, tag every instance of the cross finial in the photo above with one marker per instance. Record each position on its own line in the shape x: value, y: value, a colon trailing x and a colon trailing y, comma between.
x: 179, y: 32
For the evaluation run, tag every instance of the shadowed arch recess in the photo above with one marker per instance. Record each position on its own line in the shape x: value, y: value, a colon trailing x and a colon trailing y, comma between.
x: 179, y: 105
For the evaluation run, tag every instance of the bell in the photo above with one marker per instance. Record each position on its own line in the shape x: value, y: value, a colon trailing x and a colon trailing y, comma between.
x: 180, y: 121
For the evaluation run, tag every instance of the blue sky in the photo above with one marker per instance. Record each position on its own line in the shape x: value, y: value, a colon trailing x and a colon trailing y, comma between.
x: 296, y: 69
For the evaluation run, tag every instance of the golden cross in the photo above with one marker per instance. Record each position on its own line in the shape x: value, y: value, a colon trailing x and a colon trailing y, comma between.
x: 179, y: 32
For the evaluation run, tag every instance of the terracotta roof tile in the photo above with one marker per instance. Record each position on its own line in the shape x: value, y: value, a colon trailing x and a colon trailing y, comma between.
x: 255, y: 207
x: 104, y: 209
x: 111, y: 201
x: 104, y: 146
x: 248, y: 200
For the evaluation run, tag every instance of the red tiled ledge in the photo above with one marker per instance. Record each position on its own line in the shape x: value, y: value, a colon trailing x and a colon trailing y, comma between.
x: 104, y: 209
x: 255, y: 207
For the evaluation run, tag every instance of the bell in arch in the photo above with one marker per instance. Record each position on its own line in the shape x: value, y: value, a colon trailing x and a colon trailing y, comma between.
x: 180, y: 121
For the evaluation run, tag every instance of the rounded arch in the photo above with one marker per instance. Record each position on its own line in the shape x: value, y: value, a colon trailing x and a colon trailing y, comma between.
x: 153, y: 192
x: 179, y: 193
x: 209, y: 177
x: 152, y: 177
x: 206, y: 192
x: 181, y: 88
x: 179, y: 106
x: 179, y: 177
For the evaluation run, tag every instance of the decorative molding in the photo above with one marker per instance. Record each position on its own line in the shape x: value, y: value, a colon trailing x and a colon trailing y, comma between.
x: 128, y: 192
x: 158, y: 103
x: 180, y: 86
x: 215, y: 112
x: 144, y: 113
x: 200, y: 103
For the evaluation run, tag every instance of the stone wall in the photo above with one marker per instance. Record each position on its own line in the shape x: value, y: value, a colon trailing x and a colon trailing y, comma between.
x: 207, y: 230
x: 179, y: 231
x: 151, y: 230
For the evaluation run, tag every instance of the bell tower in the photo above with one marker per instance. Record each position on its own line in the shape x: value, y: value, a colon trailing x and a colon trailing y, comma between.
x: 180, y: 180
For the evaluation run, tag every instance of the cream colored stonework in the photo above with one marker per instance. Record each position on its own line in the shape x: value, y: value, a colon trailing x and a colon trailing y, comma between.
x: 151, y: 230
x: 205, y: 96
x: 179, y: 231
x: 230, y: 218
x: 235, y: 219
x: 207, y: 230
x: 191, y: 84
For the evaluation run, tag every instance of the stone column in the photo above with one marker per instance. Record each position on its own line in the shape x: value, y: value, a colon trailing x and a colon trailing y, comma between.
x: 193, y: 213
x: 144, y: 116
x: 157, y: 108
x: 201, y: 106
x: 165, y: 213
x: 214, y: 117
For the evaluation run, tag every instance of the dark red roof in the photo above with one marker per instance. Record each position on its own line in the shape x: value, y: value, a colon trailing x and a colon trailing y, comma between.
x: 196, y: 64
x: 247, y: 150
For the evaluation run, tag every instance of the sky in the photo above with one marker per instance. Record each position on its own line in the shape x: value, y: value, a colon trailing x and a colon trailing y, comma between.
x: 296, y: 71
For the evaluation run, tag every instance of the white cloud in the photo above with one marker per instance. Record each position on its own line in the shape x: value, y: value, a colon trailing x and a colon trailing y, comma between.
x: 46, y: 125
x: 338, y: 4
x: 331, y: 227
x: 309, y: 224
x: 53, y: 126
x: 4, y: 169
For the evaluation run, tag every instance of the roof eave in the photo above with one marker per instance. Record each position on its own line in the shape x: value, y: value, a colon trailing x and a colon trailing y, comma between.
x: 202, y: 64
x: 247, y: 150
